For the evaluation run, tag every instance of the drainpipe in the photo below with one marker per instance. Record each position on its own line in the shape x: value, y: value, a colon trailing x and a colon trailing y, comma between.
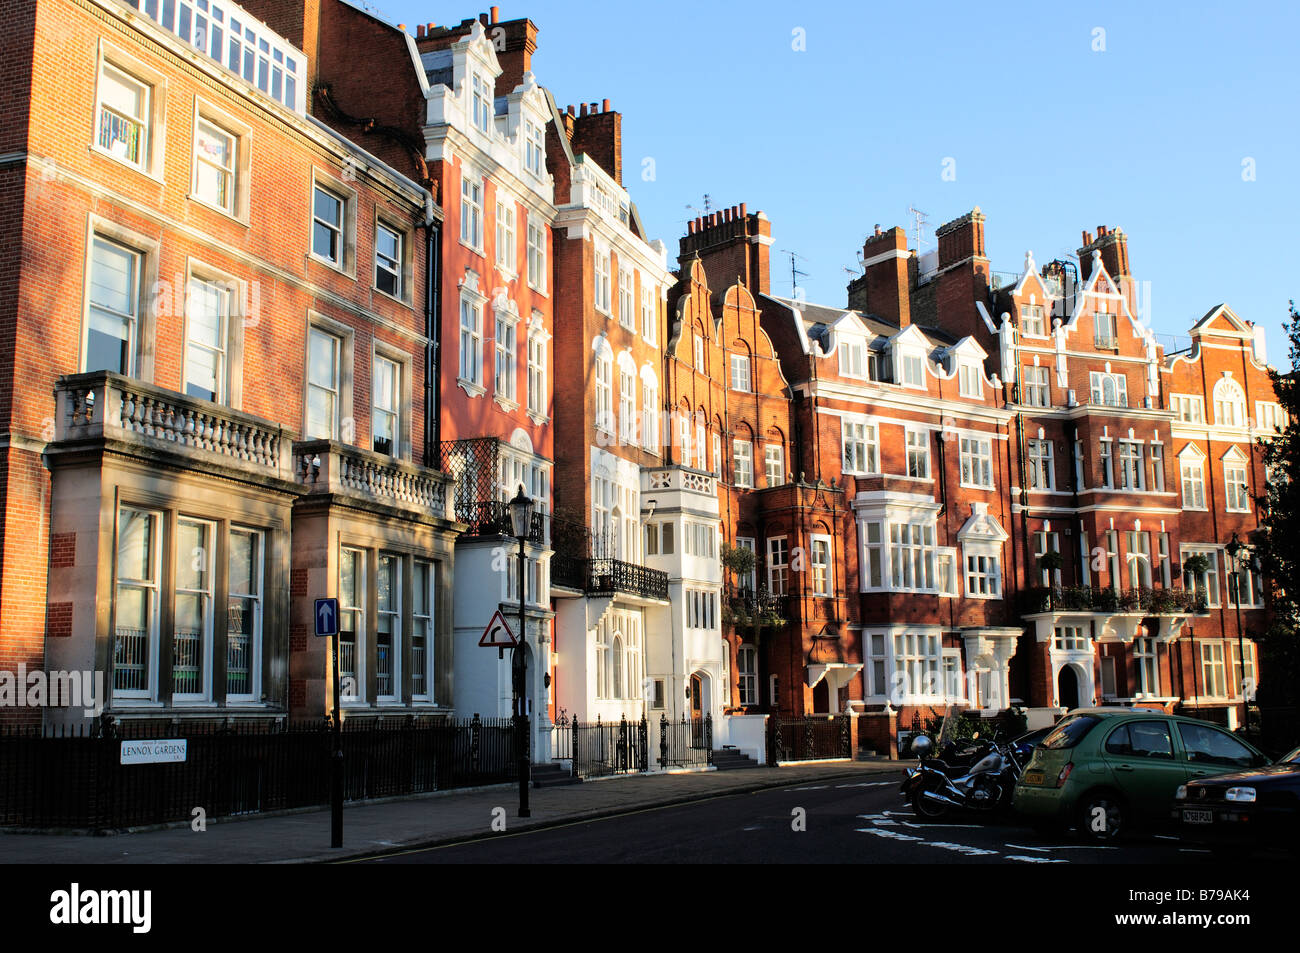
x: 433, y: 332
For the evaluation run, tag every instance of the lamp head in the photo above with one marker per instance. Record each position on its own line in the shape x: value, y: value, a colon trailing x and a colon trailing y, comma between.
x: 521, y: 513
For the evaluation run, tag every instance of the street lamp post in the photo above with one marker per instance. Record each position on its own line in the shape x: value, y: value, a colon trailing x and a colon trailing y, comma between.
x: 1233, y: 549
x: 521, y: 513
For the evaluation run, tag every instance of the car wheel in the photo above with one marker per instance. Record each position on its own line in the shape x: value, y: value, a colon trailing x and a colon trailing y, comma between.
x: 1103, y: 816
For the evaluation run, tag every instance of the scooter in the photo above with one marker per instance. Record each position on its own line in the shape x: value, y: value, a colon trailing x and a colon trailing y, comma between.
x: 935, y: 788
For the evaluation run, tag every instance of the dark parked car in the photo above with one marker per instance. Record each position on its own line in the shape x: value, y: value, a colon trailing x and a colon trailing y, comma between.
x: 1257, y: 807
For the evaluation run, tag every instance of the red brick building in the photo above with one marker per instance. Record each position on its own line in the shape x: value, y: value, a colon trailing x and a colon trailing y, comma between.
x: 215, y: 378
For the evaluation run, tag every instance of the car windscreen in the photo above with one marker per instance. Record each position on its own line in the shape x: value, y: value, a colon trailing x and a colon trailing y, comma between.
x: 1292, y: 758
x: 1069, y: 732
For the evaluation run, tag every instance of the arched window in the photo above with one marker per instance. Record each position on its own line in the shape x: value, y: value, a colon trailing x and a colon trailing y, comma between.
x: 1229, y: 404
x: 616, y: 661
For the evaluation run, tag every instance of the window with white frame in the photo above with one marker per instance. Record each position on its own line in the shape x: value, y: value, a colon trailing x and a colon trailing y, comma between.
x: 774, y: 464
x: 1046, y: 542
x: 244, y: 612
x: 537, y: 372
x: 853, y: 359
x: 747, y: 674
x: 1038, y: 390
x: 471, y: 341
x: 626, y: 314
x: 717, y: 455
x: 912, y: 370
x: 1244, y: 578
x: 123, y: 129
x: 1103, y: 325
x: 1213, y: 674
x: 822, y: 581
x: 1188, y: 408
x: 1204, y: 583
x: 743, y: 462
x: 1243, y: 676
x: 602, y: 659
x: 976, y: 462
x: 1108, y: 390
x: 193, y: 622
x: 536, y: 256
x: 423, y: 601
x: 506, y: 354
x: 534, y: 147
x: 1071, y: 638
x: 481, y: 99
x: 1112, y: 557
x: 699, y: 353
x: 352, y: 623
x: 388, y: 628
x: 386, y: 381
x: 324, y: 360
x: 740, y: 373
x: 207, y: 328
x: 1235, y: 483
x: 1157, y: 452
x: 1139, y: 560
x: 700, y: 462
x: 918, y: 453
x: 649, y: 329
x: 778, y: 565
x: 684, y: 437
x: 137, y: 603
x: 1129, y: 455
x: 873, y: 555
x: 650, y: 415
x: 471, y: 211
x: 877, y: 681
x: 912, y: 556
x: 328, y: 208
x: 1107, y: 463
x: 861, y: 450
x: 604, y: 394
x: 114, y: 308
x: 388, y: 260
x: 970, y: 380
x: 627, y: 419
x: 983, y: 575
x: 1031, y: 321
x: 701, y: 609
x: 215, y: 165
x: 1041, y: 473
x: 1229, y: 403
x: 1191, y: 468
x: 1270, y: 418
x: 917, y: 660
x: 601, y: 283
x: 749, y: 581
x: 505, y: 234
x: 1164, y: 559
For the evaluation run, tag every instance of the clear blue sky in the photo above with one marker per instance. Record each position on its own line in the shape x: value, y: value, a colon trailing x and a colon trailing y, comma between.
x: 1049, y: 136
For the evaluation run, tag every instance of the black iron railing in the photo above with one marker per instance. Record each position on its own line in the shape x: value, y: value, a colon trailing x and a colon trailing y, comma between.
x: 75, y: 779
x: 492, y: 518
x: 685, y: 743
x: 601, y: 748
x: 609, y: 576
x: 747, y: 608
x: 1099, y: 599
x: 811, y: 738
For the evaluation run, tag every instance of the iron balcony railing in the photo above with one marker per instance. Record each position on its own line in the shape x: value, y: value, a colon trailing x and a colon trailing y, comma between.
x: 1099, y: 599
x: 492, y: 518
x: 746, y: 608
x: 609, y: 576
x: 586, y: 561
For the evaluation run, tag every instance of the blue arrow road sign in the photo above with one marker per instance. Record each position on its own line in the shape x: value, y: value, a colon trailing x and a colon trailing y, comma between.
x: 327, y: 617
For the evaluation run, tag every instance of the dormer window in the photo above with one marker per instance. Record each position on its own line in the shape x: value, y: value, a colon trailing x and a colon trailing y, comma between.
x: 481, y: 104
x: 912, y: 370
x: 969, y: 383
x: 1031, y: 321
x: 1104, y: 330
x: 534, y: 147
x: 853, y: 362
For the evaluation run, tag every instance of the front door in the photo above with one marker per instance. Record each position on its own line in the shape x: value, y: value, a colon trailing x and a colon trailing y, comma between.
x: 1067, y: 688
x: 697, y: 697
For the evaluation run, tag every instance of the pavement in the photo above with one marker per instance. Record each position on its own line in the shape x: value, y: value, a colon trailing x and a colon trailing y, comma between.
x: 370, y: 829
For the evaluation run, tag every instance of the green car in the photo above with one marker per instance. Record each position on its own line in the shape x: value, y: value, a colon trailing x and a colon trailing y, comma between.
x: 1108, y: 770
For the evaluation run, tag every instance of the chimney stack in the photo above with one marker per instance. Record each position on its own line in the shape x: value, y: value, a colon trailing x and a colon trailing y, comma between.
x: 1113, y: 245
x: 599, y: 134
x: 731, y: 244
x: 883, y: 288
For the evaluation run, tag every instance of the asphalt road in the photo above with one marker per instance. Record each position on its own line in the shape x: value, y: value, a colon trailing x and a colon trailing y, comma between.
x: 843, y: 821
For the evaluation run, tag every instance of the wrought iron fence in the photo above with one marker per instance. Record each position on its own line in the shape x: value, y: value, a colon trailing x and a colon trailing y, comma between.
x: 811, y: 738
x: 1103, y: 599
x: 599, y: 749
x: 685, y: 743
x: 75, y: 779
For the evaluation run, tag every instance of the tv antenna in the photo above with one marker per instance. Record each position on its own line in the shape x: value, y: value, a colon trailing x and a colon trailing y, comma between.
x: 920, y: 220
x: 795, y: 272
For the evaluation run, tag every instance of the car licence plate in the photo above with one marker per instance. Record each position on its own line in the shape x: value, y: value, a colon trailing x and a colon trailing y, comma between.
x: 1198, y: 817
x: 1033, y: 777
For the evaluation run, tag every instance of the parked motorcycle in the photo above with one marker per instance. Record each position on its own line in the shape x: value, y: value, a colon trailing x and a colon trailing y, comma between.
x: 985, y: 783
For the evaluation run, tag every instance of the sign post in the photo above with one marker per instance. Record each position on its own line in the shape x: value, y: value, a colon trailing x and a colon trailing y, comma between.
x: 327, y: 626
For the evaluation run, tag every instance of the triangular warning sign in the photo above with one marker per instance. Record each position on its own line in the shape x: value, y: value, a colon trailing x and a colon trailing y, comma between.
x: 498, y: 635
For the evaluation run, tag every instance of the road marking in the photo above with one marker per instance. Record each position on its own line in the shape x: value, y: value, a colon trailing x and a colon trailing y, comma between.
x: 963, y: 849
x: 977, y: 827
x: 815, y: 787
x: 1037, y: 860
x: 892, y: 835
x: 1060, y: 847
x: 864, y: 784
x: 1192, y: 850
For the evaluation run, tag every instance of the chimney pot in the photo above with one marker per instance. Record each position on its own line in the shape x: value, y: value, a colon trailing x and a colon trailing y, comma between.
x: 877, y: 232
x: 419, y: 30
x: 402, y: 27
x: 583, y: 111
x: 1101, y: 230
x: 742, y: 209
x: 431, y: 28
x: 496, y: 12
x: 604, y: 107
x: 593, y: 108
